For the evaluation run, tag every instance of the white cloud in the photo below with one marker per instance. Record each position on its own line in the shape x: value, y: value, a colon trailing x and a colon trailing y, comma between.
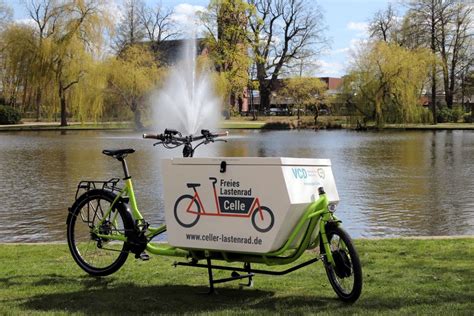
x: 27, y: 21
x: 185, y: 16
x: 358, y: 26
x: 343, y: 50
x: 331, y: 69
x: 361, y: 28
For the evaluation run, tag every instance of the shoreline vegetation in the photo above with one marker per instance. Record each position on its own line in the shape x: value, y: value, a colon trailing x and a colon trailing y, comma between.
x: 402, y: 276
x: 266, y: 123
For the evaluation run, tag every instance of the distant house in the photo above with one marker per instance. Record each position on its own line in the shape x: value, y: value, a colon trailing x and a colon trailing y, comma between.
x: 333, y: 84
x: 252, y: 100
x: 169, y: 52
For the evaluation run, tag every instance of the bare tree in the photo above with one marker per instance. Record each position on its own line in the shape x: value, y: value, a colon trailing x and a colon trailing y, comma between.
x: 157, y: 24
x: 455, y: 46
x: 384, y: 24
x: 46, y: 15
x: 6, y: 14
x: 130, y: 29
x: 425, y: 14
x: 280, y: 31
x: 449, y: 25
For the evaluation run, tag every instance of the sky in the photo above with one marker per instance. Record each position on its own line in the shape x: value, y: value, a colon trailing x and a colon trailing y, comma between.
x: 346, y: 21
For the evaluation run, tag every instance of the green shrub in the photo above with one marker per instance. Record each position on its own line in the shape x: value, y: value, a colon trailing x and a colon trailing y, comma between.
x: 9, y: 115
x: 277, y: 125
x: 468, y: 118
x: 446, y: 115
x: 457, y: 114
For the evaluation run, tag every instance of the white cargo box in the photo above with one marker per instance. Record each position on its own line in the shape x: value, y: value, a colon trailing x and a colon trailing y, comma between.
x: 251, y: 205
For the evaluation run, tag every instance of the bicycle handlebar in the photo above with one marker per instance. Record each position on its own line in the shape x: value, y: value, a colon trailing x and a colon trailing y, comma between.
x: 169, y: 134
x: 172, y: 139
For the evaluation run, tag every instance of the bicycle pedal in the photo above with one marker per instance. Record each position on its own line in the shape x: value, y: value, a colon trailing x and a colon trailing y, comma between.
x: 144, y: 256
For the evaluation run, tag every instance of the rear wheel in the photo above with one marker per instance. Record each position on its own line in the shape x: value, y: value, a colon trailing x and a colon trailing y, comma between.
x: 98, y: 256
x: 346, y: 276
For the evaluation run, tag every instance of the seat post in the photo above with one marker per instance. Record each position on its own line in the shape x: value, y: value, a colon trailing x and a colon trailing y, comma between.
x: 125, y: 168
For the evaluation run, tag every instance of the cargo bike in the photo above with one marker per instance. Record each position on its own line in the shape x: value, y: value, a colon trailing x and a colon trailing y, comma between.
x: 212, y: 224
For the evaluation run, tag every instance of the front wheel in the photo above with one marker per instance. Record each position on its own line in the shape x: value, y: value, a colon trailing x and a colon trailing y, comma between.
x: 346, y: 276
x: 89, y: 216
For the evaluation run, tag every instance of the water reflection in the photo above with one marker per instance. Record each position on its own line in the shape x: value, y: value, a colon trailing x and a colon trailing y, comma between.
x: 390, y: 183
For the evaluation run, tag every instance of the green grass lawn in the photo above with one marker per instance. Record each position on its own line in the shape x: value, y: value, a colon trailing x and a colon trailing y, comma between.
x: 400, y: 277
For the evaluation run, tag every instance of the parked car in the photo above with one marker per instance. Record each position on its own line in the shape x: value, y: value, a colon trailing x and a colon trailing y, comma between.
x: 277, y: 112
x: 323, y: 112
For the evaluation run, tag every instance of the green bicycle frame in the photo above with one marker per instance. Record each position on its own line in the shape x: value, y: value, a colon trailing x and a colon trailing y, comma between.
x: 316, y: 216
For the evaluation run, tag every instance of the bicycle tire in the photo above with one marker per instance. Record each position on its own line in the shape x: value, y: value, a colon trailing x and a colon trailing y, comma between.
x: 348, y: 269
x: 97, y: 256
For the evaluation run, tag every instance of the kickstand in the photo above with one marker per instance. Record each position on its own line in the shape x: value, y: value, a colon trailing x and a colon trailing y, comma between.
x: 234, y: 276
x: 211, y: 279
x: 248, y: 269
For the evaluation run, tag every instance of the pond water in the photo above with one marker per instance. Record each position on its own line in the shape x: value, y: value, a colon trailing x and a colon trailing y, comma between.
x: 390, y: 183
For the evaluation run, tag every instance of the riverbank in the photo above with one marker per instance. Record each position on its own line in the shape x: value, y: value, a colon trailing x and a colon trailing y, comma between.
x: 327, y: 122
x: 54, y: 126
x: 401, y: 276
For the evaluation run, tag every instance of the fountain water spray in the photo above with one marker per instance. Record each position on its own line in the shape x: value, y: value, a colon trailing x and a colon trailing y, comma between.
x: 187, y: 101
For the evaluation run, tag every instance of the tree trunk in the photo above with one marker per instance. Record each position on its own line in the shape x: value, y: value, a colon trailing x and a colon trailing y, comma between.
x: 433, y: 94
x: 452, y: 81
x: 379, y: 121
x: 38, y: 104
x: 137, y: 116
x: 472, y: 112
x: 25, y: 93
x: 62, y: 99
x: 449, y: 98
x: 433, y: 68
x: 138, y: 120
x: 264, y: 88
x: 264, y: 98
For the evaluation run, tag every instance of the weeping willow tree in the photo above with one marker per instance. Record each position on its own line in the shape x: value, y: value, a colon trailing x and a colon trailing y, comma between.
x: 131, y: 77
x: 79, y: 34
x: 53, y: 66
x: 387, y: 82
x: 17, y: 55
x: 87, y: 97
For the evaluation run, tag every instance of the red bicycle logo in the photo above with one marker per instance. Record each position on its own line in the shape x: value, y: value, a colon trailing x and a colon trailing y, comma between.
x: 189, y: 208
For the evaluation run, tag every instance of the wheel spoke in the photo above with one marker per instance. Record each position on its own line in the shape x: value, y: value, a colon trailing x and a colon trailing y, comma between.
x: 346, y: 275
x: 95, y: 254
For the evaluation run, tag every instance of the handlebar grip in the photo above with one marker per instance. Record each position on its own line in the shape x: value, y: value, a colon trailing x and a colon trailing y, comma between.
x: 226, y: 133
x: 152, y: 136
x: 223, y: 134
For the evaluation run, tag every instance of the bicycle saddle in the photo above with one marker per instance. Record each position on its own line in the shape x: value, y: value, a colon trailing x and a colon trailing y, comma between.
x: 118, y: 153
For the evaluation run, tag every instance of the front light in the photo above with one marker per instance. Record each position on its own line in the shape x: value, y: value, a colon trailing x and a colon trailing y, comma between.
x: 332, y: 207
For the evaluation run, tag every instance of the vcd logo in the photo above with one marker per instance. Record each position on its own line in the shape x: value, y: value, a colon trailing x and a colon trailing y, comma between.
x: 300, y: 173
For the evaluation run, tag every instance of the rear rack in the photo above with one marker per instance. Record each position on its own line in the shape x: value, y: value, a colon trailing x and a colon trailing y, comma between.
x: 87, y: 185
